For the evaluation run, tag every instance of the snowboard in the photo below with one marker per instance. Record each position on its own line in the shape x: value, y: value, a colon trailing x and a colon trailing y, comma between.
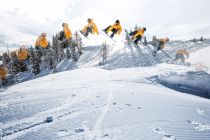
x: 104, y: 32
x: 81, y: 34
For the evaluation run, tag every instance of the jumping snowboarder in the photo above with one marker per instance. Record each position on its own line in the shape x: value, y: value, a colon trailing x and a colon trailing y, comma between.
x: 116, y: 29
x: 138, y: 34
x: 160, y: 45
x: 180, y: 55
x: 3, y: 74
x: 90, y: 28
x: 65, y: 35
x: 22, y: 56
x: 42, y: 42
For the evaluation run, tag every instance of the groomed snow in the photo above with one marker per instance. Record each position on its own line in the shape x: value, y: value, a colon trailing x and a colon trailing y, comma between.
x: 119, y: 101
x: 96, y: 104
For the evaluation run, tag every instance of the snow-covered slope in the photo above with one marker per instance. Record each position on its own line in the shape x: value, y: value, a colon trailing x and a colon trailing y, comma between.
x: 119, y: 101
x: 122, y: 55
x: 201, y: 59
x: 93, y: 104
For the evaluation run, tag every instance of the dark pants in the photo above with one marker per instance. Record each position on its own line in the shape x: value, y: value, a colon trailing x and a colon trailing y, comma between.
x: 88, y: 30
x: 179, y: 57
x: 114, y: 31
x: 23, y: 66
x: 138, y: 38
x: 158, y: 48
x: 64, y: 42
x: 61, y: 36
x: 133, y: 33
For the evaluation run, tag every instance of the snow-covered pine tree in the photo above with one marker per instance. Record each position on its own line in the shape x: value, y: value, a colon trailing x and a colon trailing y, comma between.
x: 34, y: 61
x: 59, y: 46
x: 58, y: 51
x: 104, y: 53
x: 145, y: 41
x: 15, y: 68
x: 6, y: 58
x: 194, y: 40
x: 201, y: 39
x: 76, y: 47
x: 68, y: 53
x: 154, y: 40
x: 55, y: 56
x: 49, y: 57
x: 136, y: 28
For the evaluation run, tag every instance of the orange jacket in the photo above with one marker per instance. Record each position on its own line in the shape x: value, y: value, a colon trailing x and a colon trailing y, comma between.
x: 22, y: 54
x: 93, y: 26
x: 139, y: 32
x: 182, y: 52
x: 41, y: 42
x: 67, y: 31
x: 163, y: 40
x: 3, y: 73
x: 118, y: 27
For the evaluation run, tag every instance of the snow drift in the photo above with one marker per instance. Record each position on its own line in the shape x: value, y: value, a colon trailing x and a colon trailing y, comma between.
x: 193, y: 82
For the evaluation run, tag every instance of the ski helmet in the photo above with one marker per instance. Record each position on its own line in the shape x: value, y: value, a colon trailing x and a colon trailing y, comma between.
x: 89, y: 19
x: 43, y: 34
x: 117, y: 22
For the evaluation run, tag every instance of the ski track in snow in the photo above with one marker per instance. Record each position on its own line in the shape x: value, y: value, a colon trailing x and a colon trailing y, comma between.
x: 104, y: 110
x: 98, y: 104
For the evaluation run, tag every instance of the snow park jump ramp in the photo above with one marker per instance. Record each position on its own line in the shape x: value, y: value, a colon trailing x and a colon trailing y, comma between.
x: 194, y: 83
x: 117, y: 101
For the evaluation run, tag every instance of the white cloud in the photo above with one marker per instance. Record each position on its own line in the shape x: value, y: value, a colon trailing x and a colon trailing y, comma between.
x: 23, y: 20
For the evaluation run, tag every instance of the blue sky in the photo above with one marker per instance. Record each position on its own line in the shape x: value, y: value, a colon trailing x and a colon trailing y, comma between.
x: 23, y: 20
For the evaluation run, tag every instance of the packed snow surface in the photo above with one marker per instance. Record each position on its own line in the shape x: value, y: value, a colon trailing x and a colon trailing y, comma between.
x: 93, y: 103
x: 134, y: 96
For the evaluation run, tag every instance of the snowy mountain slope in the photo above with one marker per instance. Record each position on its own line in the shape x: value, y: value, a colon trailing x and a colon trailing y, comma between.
x: 201, y: 59
x: 25, y: 76
x: 93, y: 103
x: 122, y: 55
x: 120, y: 101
